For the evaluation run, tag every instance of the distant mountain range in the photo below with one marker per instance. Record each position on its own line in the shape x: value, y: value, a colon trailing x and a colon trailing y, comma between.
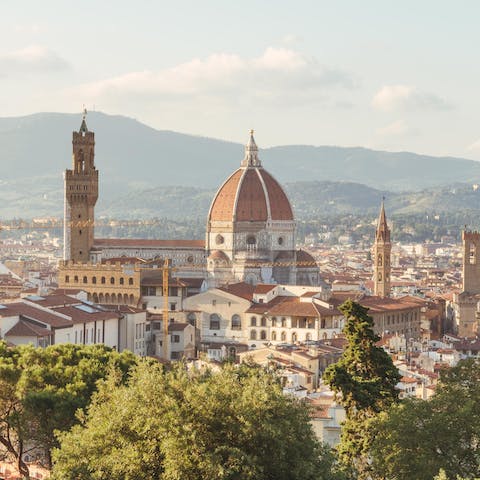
x: 138, y: 166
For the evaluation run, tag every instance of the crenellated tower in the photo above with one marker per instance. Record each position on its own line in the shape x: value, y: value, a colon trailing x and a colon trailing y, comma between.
x: 81, y: 193
x: 381, y: 256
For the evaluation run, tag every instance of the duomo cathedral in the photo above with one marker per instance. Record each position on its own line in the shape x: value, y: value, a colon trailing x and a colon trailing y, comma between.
x: 250, y: 233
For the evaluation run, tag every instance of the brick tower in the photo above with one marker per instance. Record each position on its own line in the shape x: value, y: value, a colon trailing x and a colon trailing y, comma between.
x: 81, y: 193
x: 381, y: 256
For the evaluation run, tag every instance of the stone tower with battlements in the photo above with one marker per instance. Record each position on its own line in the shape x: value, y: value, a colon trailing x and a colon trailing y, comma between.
x: 381, y: 256
x: 471, y: 262
x: 81, y: 193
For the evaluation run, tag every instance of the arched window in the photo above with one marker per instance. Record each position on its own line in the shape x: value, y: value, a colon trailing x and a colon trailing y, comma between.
x: 263, y: 322
x: 130, y: 281
x: 122, y: 280
x: 253, y: 335
x: 253, y: 322
x: 214, y: 322
x: 294, y: 337
x: 251, y: 240
x: 284, y: 322
x: 379, y: 276
x: 94, y: 280
x: 236, y: 322
x: 85, y: 279
x: 274, y: 336
x: 75, y: 278
x: 103, y: 280
x: 274, y: 321
x: 112, y: 280
x: 380, y: 260
x: 263, y: 335
x: 472, y: 254
x: 192, y: 318
x: 283, y: 336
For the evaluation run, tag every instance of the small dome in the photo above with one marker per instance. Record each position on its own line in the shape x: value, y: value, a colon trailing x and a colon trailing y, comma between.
x: 219, y: 256
x: 304, y: 259
x: 250, y: 194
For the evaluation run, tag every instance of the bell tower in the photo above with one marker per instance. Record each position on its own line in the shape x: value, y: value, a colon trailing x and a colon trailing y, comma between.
x: 81, y: 193
x: 381, y: 256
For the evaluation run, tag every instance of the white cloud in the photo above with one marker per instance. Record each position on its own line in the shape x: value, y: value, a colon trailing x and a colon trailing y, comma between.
x: 406, y: 97
x: 28, y: 29
x: 292, y: 39
x: 395, y: 129
x: 34, y: 58
x: 474, y: 147
x: 278, y: 74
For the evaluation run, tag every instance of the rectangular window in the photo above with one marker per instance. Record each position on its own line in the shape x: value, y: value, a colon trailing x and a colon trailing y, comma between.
x: 175, y: 338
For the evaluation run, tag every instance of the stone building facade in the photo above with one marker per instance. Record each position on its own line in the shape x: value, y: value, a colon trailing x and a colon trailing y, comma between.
x: 251, y: 236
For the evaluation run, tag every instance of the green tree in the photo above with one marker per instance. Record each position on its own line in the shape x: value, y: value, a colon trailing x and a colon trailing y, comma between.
x: 417, y: 438
x: 179, y: 425
x: 41, y: 389
x: 366, y: 378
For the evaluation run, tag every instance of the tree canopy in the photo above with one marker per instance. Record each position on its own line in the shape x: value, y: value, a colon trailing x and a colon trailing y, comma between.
x: 41, y: 389
x: 235, y: 424
x: 417, y: 439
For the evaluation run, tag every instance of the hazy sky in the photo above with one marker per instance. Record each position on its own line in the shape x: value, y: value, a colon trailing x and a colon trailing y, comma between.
x: 394, y: 75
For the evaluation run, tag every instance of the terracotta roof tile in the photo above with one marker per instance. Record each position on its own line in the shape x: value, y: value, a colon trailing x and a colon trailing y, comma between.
x: 263, y: 288
x: 242, y: 197
x: 29, y: 311
x: 241, y: 289
x: 79, y: 316
x: 280, y: 207
x: 24, y: 328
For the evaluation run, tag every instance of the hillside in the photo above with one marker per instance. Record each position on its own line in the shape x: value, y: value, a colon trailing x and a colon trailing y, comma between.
x: 138, y: 166
x: 130, y: 154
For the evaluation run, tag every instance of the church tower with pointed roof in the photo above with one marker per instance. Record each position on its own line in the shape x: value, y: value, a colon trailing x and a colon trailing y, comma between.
x: 381, y: 256
x: 81, y: 193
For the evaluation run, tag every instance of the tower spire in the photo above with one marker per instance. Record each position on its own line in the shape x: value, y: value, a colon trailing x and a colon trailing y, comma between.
x: 381, y: 255
x: 383, y: 232
x: 83, y: 126
x: 251, y: 153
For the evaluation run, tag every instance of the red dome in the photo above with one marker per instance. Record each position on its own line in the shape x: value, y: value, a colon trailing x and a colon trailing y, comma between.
x: 250, y: 194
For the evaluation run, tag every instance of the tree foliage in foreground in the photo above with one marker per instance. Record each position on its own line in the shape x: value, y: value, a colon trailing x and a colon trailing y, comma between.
x: 366, y: 378
x: 41, y: 389
x: 179, y: 425
x: 417, y: 439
